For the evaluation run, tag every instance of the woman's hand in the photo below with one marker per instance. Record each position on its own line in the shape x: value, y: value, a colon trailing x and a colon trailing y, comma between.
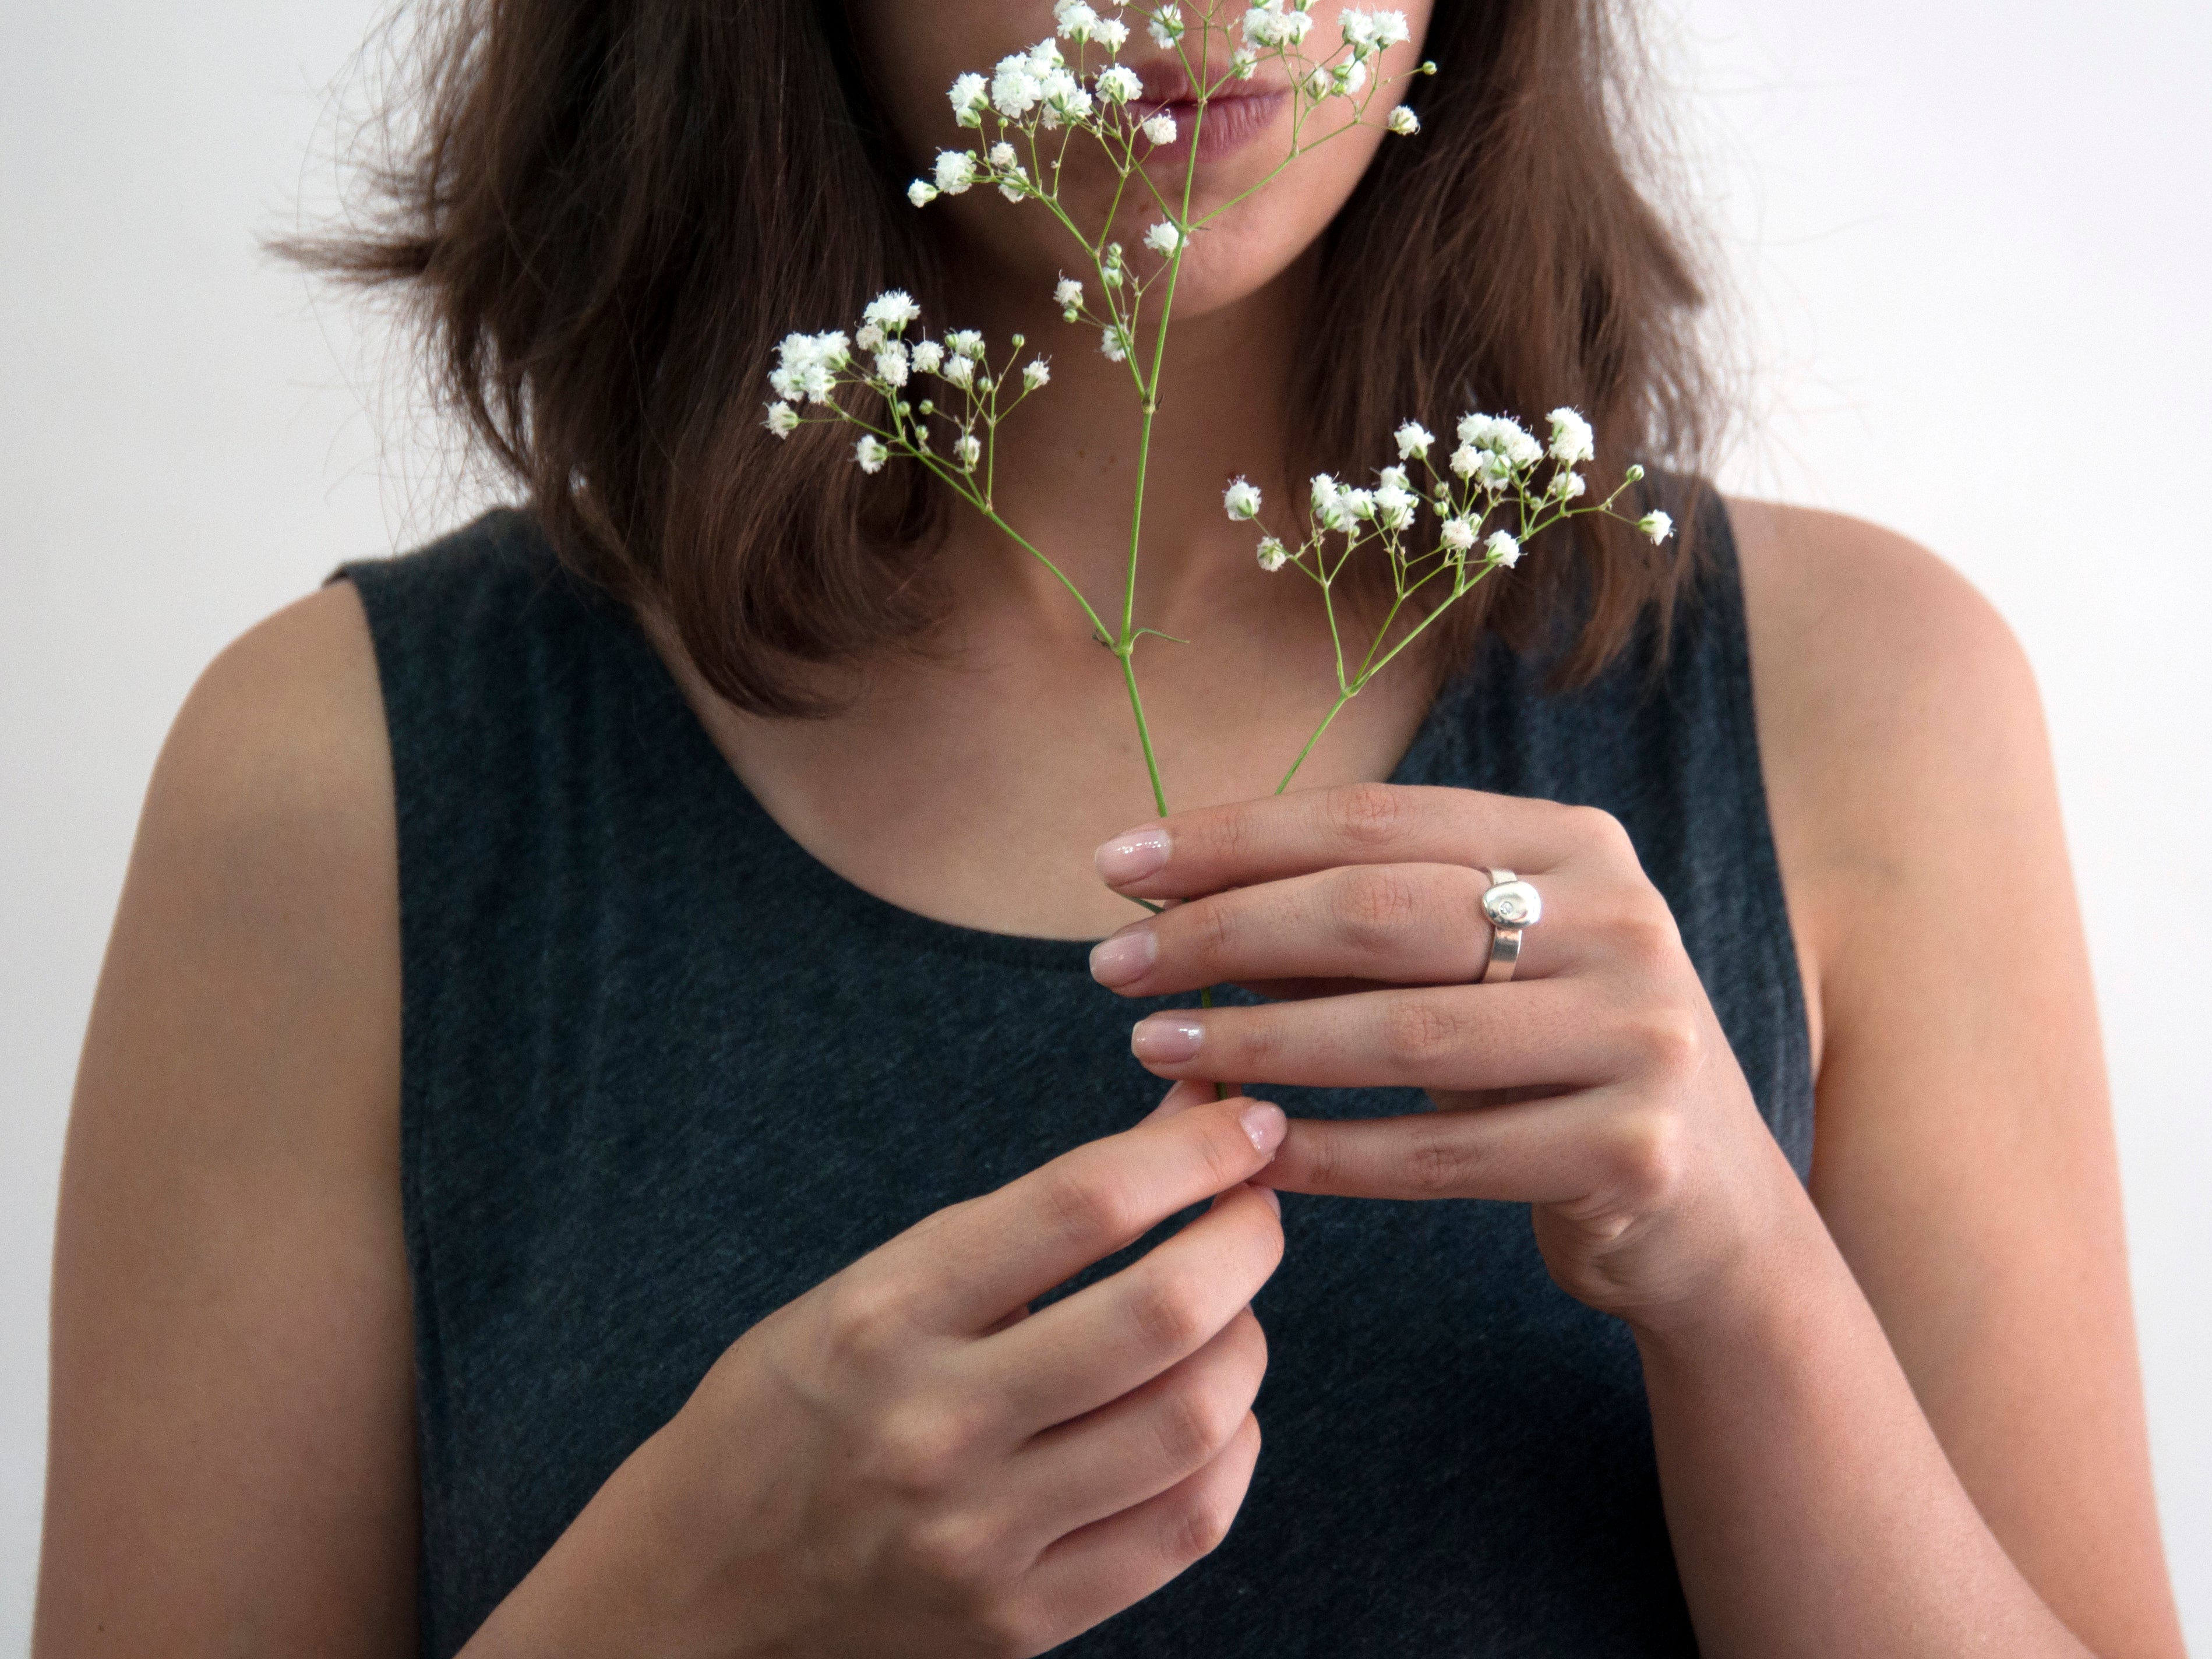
x: 1596, y: 1085
x: 907, y: 1460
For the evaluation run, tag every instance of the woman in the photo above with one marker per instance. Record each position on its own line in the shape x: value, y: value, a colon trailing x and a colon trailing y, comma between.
x: 572, y: 1156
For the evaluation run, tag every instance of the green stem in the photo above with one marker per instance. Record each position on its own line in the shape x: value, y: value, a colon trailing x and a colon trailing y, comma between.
x: 1346, y: 698
x: 1144, y: 731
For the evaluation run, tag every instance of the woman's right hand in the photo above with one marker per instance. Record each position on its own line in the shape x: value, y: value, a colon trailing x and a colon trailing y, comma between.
x: 906, y: 1461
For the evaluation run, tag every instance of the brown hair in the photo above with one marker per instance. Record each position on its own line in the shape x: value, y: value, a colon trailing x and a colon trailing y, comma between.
x: 607, y: 212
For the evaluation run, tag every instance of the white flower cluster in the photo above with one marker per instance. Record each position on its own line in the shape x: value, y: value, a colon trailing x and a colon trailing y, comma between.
x: 881, y: 356
x: 1034, y: 91
x: 1495, y: 471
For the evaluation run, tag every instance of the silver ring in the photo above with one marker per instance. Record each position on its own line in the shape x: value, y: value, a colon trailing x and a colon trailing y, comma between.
x: 1509, y: 905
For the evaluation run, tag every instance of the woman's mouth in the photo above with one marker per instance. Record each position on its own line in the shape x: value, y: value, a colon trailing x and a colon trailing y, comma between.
x: 1235, y: 117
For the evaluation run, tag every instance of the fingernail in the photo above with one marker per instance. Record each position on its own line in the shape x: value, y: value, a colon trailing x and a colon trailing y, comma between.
x: 1132, y: 857
x: 1274, y: 1200
x: 1125, y: 957
x: 1165, y: 1039
x: 1265, y: 1124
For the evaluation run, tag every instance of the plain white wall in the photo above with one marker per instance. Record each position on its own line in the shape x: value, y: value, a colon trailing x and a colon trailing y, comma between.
x: 1973, y: 252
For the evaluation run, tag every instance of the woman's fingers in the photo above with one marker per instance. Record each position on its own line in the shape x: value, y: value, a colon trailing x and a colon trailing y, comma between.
x: 1559, y: 1032
x: 1140, y: 1445
x: 1095, y: 1345
x: 1535, y: 1152
x: 965, y: 1269
x: 1404, y: 923
x: 1094, y: 1573
x: 1236, y: 846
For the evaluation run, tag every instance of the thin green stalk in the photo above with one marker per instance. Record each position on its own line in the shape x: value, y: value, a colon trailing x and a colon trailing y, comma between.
x: 1316, y: 738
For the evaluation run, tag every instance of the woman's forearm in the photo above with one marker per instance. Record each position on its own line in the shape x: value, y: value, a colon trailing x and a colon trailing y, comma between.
x: 1811, y: 1509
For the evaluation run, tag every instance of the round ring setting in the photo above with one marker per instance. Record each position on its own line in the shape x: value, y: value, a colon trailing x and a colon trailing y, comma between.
x: 1509, y: 905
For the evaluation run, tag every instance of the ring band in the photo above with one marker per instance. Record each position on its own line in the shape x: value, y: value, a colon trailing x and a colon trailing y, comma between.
x: 1509, y: 905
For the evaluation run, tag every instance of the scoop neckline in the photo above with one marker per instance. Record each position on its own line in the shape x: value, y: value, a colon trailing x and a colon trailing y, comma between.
x: 724, y: 789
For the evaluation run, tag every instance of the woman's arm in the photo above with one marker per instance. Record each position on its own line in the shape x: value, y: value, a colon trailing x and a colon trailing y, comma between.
x: 231, y: 1464
x: 1964, y: 1162
x: 1950, y: 1460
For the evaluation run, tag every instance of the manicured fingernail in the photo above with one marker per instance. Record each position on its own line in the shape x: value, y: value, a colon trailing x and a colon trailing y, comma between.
x: 1125, y: 957
x: 1265, y: 1124
x: 1132, y: 857
x: 1165, y: 1039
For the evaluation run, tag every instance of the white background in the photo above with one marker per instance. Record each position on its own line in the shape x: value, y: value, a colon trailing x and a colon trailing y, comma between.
x: 1971, y: 247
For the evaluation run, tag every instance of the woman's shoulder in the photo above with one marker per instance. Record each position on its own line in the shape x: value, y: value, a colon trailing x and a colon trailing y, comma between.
x: 229, y: 1251
x: 1897, y: 714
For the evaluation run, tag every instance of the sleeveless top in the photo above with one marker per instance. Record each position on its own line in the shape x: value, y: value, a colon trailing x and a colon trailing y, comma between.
x: 663, y: 1071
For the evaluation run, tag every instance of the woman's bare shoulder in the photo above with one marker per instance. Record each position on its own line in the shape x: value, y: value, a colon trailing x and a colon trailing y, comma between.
x: 232, y: 1408
x: 1895, y: 710
x: 1963, y: 1156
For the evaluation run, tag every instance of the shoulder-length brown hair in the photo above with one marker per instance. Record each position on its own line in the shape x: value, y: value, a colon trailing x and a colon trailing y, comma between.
x: 604, y: 213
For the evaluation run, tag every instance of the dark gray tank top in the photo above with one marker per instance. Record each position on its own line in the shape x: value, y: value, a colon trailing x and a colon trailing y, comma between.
x: 663, y: 1071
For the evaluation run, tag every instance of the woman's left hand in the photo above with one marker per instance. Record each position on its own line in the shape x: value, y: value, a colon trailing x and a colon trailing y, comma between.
x: 1596, y: 1085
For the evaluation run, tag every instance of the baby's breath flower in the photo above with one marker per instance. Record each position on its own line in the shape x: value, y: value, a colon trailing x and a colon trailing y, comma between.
x: 1393, y: 507
x: 1075, y: 20
x: 1068, y: 296
x: 1111, y: 344
x: 1349, y: 76
x: 1015, y: 86
x: 966, y: 342
x: 890, y: 365
x: 1165, y: 237
x: 1413, y: 441
x: 1166, y: 25
x: 1502, y: 436
x: 1044, y: 57
x: 1244, y: 63
x: 1459, y: 534
x: 1502, y: 549
x: 1242, y: 500
x: 1112, y: 33
x: 1359, y: 28
x: 1160, y: 128
x: 892, y: 309
x: 968, y: 450
x: 971, y: 96
x: 869, y: 337
x: 1119, y: 83
x: 1065, y: 100
x: 1404, y: 122
x: 956, y: 171
x: 1572, y: 440
x: 928, y: 357
x: 807, y: 364
x: 1657, y: 525
x: 1326, y: 490
x: 1036, y: 373
x: 1270, y: 26
x: 1391, y: 477
x: 960, y: 372
x: 870, y: 453
x: 921, y: 192
x: 783, y: 419
x: 1569, y: 486
x: 1274, y: 555
x: 1003, y: 154
x: 1465, y: 459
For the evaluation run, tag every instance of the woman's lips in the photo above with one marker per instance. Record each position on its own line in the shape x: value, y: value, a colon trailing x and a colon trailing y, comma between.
x: 1233, y: 120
